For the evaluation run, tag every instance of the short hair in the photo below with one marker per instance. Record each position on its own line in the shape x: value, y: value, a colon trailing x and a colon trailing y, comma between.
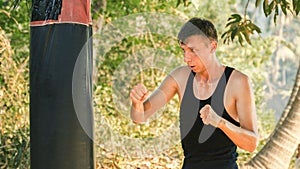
x: 198, y: 26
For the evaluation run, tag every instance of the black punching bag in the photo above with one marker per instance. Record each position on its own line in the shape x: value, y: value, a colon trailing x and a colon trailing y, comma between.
x: 61, y: 116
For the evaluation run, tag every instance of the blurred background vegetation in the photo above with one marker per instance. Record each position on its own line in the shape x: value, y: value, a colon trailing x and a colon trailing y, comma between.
x: 272, y: 74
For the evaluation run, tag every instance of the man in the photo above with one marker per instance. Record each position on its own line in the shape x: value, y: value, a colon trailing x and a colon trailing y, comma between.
x: 217, y: 111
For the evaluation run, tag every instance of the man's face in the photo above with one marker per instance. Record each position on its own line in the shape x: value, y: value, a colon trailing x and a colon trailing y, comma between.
x: 197, y: 51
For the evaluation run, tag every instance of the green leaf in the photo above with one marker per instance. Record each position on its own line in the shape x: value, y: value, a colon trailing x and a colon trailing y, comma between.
x: 225, y: 41
x: 275, y: 19
x: 186, y: 3
x: 284, y: 6
x: 271, y: 6
x: 296, y: 6
x: 276, y: 14
x: 237, y: 17
x: 15, y: 4
x: 233, y: 33
x: 232, y: 23
x: 224, y: 34
x: 254, y: 27
x: 178, y: 3
x: 266, y: 8
x: 240, y: 39
x: 246, y: 35
x: 257, y: 2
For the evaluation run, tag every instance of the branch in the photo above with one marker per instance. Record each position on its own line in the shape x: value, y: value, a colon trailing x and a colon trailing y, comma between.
x: 245, y: 10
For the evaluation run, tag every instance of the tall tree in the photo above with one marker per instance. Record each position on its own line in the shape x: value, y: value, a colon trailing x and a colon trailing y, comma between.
x: 283, y: 142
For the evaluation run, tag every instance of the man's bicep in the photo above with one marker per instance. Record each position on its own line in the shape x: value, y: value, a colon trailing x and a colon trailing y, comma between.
x: 164, y: 93
x: 246, y: 106
x: 169, y: 87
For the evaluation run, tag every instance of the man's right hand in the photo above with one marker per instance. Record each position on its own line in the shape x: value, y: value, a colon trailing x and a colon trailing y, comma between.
x: 139, y: 94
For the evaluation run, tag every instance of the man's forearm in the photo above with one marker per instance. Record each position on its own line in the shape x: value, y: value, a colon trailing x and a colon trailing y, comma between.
x: 243, y: 138
x: 137, y: 113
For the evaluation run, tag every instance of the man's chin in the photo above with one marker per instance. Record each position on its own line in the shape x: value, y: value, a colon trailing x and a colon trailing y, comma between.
x: 198, y: 70
x: 193, y: 68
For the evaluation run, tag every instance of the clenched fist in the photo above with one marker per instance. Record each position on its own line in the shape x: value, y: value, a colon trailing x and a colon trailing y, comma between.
x: 138, y: 94
x: 209, y: 116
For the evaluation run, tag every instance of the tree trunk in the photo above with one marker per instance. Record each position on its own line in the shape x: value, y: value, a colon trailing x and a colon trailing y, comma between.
x: 282, y: 143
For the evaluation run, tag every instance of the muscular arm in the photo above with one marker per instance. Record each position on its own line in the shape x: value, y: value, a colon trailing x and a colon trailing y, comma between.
x: 245, y: 136
x: 142, y: 109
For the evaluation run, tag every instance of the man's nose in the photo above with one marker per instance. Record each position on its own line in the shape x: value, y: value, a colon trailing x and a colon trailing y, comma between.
x: 187, y: 57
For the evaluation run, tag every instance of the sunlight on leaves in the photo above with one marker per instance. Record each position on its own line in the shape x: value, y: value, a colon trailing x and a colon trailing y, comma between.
x: 239, y: 27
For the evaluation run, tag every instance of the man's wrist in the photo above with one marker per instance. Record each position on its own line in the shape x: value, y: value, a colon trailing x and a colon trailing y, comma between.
x: 138, y: 107
x: 221, y: 123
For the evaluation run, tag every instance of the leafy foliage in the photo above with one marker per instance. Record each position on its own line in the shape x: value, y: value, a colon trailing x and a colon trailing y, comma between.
x: 275, y: 5
x: 296, y: 6
x: 14, y: 108
x: 185, y: 2
x: 240, y: 28
x: 14, y: 89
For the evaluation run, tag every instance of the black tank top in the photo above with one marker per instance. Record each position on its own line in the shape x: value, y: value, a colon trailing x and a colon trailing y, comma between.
x: 204, y: 146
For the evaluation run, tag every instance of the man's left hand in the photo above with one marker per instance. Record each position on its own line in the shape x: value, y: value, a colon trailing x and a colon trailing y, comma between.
x: 209, y: 116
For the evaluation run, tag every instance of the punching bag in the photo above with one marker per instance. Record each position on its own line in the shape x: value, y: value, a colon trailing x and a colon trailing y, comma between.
x: 61, y: 128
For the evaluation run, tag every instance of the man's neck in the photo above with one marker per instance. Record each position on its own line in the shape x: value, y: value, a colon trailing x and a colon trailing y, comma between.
x: 211, y: 74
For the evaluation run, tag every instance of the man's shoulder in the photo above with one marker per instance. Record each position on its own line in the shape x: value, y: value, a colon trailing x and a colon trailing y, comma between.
x: 239, y: 75
x: 239, y: 79
x: 180, y: 74
x: 181, y: 70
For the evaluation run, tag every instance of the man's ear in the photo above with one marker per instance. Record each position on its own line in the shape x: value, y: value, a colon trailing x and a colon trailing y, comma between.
x: 214, y: 45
